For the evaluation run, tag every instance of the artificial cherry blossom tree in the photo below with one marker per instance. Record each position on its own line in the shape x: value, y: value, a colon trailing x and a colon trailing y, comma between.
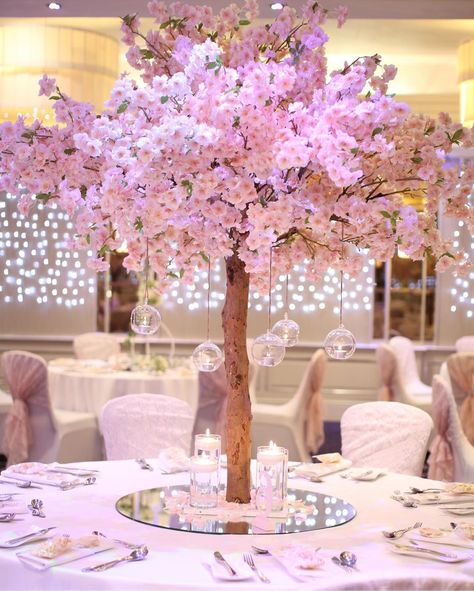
x: 236, y: 141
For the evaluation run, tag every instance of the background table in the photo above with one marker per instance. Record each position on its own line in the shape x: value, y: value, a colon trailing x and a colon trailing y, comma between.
x: 176, y: 559
x: 88, y: 390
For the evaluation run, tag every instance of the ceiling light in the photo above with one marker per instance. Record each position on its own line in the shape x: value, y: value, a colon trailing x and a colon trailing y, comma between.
x: 276, y: 5
x: 54, y: 5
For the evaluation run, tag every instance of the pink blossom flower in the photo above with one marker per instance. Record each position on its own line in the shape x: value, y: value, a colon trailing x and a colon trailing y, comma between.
x: 47, y: 85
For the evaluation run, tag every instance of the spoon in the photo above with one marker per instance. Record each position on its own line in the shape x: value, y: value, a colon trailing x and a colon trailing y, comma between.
x: 261, y: 550
x: 22, y: 484
x: 417, y: 491
x: 398, y: 533
x: 7, y: 516
x: 139, y: 553
x: 337, y: 561
x: 348, y: 559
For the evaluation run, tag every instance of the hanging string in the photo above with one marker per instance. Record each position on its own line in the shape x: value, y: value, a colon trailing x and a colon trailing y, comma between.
x: 286, y: 295
x: 270, y: 294
x: 341, y: 284
x: 147, y: 266
x: 208, y: 297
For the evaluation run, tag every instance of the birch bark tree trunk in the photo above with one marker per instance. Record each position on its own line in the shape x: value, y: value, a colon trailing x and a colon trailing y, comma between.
x: 239, y: 416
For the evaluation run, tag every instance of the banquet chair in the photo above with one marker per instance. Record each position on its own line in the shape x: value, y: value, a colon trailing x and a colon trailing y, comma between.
x: 400, y: 380
x: 34, y: 431
x: 388, y: 435
x: 5, y: 407
x: 465, y: 344
x: 461, y: 379
x: 298, y: 423
x: 451, y: 454
x: 95, y: 345
x: 141, y: 425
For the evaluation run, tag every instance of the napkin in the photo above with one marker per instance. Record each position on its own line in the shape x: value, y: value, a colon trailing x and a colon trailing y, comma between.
x: 449, y: 538
x: 39, y: 473
x: 237, y: 562
x: 305, y: 561
x: 173, y: 459
x: 323, y: 469
x: 451, y: 555
x: 75, y: 553
x: 440, y: 498
x: 364, y: 473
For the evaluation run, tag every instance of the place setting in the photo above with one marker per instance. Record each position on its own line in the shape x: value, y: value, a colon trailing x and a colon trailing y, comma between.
x: 34, y: 474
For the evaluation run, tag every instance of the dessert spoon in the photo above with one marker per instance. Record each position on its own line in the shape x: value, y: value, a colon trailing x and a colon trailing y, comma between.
x: 135, y: 555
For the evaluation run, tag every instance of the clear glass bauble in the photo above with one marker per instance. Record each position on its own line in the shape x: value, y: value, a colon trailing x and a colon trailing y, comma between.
x: 268, y: 350
x: 207, y: 357
x: 145, y: 319
x: 287, y: 330
x: 340, y: 343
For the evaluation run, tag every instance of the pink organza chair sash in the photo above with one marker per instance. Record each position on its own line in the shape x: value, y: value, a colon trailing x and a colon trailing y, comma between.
x: 27, y: 379
x: 441, y: 460
x: 387, y: 364
x: 461, y: 373
x: 314, y: 429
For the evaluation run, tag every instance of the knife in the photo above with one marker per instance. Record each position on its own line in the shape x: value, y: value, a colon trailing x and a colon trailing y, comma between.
x: 425, y: 551
x: 221, y: 560
x: 23, y: 539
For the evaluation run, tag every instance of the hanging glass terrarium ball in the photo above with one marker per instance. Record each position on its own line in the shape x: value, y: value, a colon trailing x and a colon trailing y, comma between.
x: 207, y: 357
x: 287, y: 330
x: 340, y: 343
x: 145, y: 319
x: 268, y: 350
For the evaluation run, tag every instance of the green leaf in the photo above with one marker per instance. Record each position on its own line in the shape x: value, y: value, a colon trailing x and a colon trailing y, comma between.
x: 165, y: 24
x: 189, y: 186
x: 172, y: 275
x: 447, y: 254
x: 376, y: 131
x: 457, y: 135
x: 103, y: 250
x: 199, y: 27
x: 233, y: 89
x: 164, y: 99
x: 244, y: 22
x: 268, y: 102
x: 70, y: 151
x: 55, y: 97
x: 417, y: 159
x: 211, y: 65
x: 204, y: 257
x: 83, y: 190
x: 236, y: 122
x: 386, y: 214
x: 429, y: 130
x: 147, y: 54
x: 43, y: 196
x: 354, y: 151
x: 88, y: 238
x: 123, y: 107
x: 128, y: 18
x: 138, y: 225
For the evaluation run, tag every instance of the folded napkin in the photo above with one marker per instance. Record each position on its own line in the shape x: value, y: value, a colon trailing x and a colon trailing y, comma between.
x: 173, y: 459
x: 237, y: 562
x: 39, y: 473
x: 455, y: 537
x: 74, y: 553
x: 323, y: 469
x: 305, y: 561
x: 439, y: 553
x: 440, y: 498
x: 364, y: 473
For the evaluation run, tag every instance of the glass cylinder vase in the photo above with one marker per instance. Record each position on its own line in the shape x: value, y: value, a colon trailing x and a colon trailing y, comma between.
x: 272, y: 478
x: 204, y: 482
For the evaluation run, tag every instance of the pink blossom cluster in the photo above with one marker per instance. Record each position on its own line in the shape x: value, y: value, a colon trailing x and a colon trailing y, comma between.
x: 241, y: 141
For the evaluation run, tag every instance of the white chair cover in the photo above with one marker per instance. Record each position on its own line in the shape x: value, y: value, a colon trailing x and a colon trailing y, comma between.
x: 386, y: 435
x: 33, y: 431
x: 452, y: 456
x: 465, y: 344
x: 399, y: 375
x: 5, y: 407
x: 297, y: 424
x: 141, y: 425
x: 95, y: 345
x: 461, y: 374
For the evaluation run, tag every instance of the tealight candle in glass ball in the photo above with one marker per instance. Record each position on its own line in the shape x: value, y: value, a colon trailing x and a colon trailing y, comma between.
x: 287, y: 330
x: 207, y: 357
x: 268, y: 350
x: 340, y: 343
x: 145, y: 319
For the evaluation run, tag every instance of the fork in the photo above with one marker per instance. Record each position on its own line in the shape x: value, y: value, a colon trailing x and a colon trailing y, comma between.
x: 248, y: 558
x: 398, y: 533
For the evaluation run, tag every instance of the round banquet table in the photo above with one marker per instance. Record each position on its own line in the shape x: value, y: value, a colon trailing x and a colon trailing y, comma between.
x: 177, y: 560
x: 88, y: 390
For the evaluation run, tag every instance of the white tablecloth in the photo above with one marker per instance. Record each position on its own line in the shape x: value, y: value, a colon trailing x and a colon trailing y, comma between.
x: 88, y: 391
x: 176, y: 559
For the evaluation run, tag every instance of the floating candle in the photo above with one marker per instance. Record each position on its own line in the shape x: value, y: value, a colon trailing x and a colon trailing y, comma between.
x: 271, y: 454
x: 207, y: 442
x: 203, y: 464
